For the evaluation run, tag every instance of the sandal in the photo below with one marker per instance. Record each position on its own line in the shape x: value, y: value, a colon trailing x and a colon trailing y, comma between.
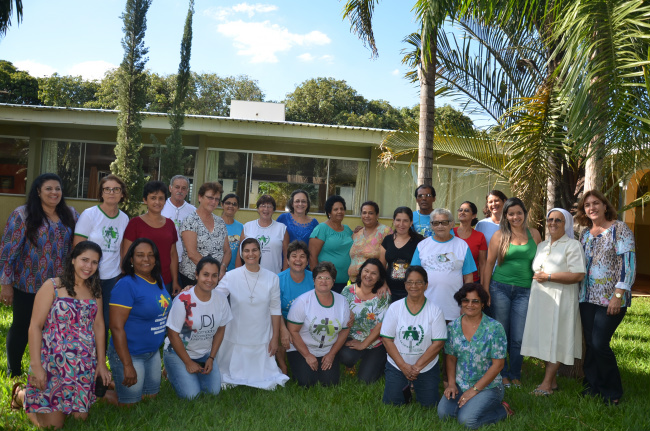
x: 541, y: 392
x: 509, y: 410
x: 14, y: 396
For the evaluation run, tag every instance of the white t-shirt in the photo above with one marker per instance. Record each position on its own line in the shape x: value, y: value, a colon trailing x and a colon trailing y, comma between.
x: 320, y: 325
x: 196, y: 321
x: 413, y: 333
x: 270, y: 239
x: 96, y: 226
x: 177, y: 215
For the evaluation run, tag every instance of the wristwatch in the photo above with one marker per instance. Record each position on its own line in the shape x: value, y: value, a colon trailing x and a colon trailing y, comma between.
x: 618, y: 295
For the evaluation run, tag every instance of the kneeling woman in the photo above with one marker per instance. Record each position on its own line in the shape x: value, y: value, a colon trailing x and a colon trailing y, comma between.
x: 413, y: 333
x: 139, y: 307
x: 476, y: 351
x: 195, y: 328
x: 318, y: 325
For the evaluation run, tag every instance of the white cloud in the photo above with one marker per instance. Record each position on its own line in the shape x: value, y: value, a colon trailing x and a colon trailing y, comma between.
x: 221, y: 13
x: 261, y: 41
x: 327, y: 58
x: 91, y: 70
x: 307, y: 57
x: 395, y: 72
x: 35, y: 69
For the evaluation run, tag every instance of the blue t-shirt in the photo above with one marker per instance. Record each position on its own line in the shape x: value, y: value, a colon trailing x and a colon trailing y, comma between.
x: 488, y: 228
x: 149, y: 305
x: 234, y: 233
x: 297, y: 231
x: 422, y: 224
x: 290, y: 290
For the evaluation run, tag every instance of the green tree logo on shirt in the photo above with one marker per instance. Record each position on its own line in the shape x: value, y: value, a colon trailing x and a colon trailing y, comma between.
x: 411, y: 337
x: 110, y: 236
x: 324, y: 332
x: 263, y: 240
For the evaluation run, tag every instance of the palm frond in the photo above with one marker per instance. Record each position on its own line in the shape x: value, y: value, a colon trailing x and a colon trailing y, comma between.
x: 359, y: 12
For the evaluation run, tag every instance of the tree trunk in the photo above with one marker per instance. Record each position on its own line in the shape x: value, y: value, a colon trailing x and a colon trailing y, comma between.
x: 593, y: 167
x: 427, y: 111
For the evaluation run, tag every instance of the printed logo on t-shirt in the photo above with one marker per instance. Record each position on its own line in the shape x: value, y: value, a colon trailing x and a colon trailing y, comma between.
x: 110, y: 236
x: 399, y: 270
x: 445, y: 262
x: 164, y: 303
x: 186, y: 331
x: 411, y: 338
x: 263, y: 240
x: 324, y: 332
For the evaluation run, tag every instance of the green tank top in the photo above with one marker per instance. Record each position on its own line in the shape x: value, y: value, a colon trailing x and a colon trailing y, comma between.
x: 517, y: 266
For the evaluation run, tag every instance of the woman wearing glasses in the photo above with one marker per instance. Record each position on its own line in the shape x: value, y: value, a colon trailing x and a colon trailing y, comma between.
x: 448, y: 261
x: 105, y: 224
x: 204, y: 234
x: 271, y: 235
x: 298, y: 223
x: 230, y: 204
x: 474, y: 239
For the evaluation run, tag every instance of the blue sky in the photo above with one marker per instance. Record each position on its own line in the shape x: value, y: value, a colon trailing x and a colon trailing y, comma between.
x: 280, y: 43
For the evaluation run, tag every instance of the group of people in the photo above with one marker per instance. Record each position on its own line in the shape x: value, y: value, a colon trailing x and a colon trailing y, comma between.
x: 248, y: 304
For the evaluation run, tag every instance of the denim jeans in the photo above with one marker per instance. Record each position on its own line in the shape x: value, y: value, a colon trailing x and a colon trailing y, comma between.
x: 147, y: 369
x: 373, y: 362
x: 426, y: 386
x: 107, y: 288
x: 509, y: 305
x: 484, y: 408
x: 601, y: 370
x: 189, y: 385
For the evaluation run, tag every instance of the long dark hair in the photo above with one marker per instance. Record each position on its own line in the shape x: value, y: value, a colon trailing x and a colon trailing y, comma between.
x: 36, y: 217
x: 127, y: 265
x: 406, y: 210
x: 382, y: 272
x: 506, y: 230
x: 68, y: 276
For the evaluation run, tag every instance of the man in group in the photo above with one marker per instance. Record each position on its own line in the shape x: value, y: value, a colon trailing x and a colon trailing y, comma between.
x: 425, y: 195
x: 176, y: 208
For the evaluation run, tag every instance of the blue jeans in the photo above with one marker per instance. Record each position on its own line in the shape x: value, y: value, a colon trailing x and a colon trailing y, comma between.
x: 189, y: 385
x: 426, y: 386
x: 484, y: 408
x: 107, y: 288
x: 147, y: 368
x: 509, y: 305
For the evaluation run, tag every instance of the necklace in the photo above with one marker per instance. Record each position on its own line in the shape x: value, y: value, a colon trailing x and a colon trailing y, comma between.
x: 251, y: 291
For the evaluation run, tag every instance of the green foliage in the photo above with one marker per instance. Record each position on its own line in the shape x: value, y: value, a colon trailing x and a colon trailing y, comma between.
x: 68, y: 91
x: 212, y: 93
x: 17, y: 86
x: 131, y: 81
x: 6, y: 11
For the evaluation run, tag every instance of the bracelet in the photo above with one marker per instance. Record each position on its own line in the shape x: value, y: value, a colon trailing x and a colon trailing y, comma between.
x: 476, y: 389
x: 210, y: 357
x: 549, y: 277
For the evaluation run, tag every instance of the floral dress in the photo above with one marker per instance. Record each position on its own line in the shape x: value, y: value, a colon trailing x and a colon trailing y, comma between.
x: 69, y: 357
x: 367, y: 314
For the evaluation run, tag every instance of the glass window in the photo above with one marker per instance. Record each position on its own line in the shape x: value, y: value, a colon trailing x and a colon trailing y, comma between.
x: 13, y: 165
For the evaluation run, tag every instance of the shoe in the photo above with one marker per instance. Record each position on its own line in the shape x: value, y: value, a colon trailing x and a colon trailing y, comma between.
x: 541, y: 392
x: 509, y: 410
x: 14, y: 396
x: 516, y: 384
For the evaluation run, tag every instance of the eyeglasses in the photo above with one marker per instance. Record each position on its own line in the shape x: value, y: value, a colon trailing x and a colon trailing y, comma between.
x: 112, y: 190
x: 212, y: 198
x: 323, y: 278
x: 554, y: 220
x: 266, y: 206
x: 464, y: 210
x: 473, y: 301
x: 416, y: 283
x: 428, y: 195
x: 440, y: 223
x: 230, y: 204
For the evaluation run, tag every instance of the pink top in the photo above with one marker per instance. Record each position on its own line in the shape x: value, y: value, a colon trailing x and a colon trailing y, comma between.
x: 365, y: 247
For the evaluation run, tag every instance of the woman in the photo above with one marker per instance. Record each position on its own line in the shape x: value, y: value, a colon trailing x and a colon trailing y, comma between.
x: 35, y: 244
x: 605, y: 292
x: 230, y: 204
x: 204, y: 234
x: 397, y: 251
x: 493, y: 211
x: 298, y: 223
x: 271, y: 235
x: 318, y: 326
x: 553, y: 332
x: 474, y: 239
x: 476, y: 351
x: 513, y: 250
x: 293, y: 282
x: 160, y: 230
x: 105, y: 224
x: 246, y: 356
x: 413, y: 332
x: 447, y: 260
x: 369, y: 308
x: 66, y: 338
x: 195, y: 328
x: 366, y: 242
x: 139, y: 308
x: 331, y: 241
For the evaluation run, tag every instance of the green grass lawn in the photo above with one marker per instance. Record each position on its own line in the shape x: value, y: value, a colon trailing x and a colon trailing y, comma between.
x: 355, y: 406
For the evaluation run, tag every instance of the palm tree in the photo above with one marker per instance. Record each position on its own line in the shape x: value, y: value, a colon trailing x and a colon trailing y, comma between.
x: 6, y: 11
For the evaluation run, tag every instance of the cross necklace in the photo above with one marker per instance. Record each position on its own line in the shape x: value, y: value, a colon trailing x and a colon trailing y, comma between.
x: 251, y: 291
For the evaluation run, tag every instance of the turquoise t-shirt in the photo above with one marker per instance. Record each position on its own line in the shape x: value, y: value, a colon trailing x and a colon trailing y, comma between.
x: 234, y: 233
x: 290, y: 290
x: 336, y: 249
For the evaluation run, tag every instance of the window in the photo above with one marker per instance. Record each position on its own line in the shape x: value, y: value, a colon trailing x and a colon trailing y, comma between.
x: 13, y: 165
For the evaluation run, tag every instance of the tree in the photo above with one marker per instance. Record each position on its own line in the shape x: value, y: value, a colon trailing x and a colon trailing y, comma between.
x: 6, y: 11
x: 17, y: 86
x: 131, y: 100
x: 212, y: 93
x: 68, y: 91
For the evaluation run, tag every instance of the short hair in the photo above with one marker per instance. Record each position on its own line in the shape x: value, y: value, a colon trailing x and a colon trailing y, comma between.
x: 471, y: 287
x: 445, y: 212
x: 324, y: 267
x: 127, y: 267
x: 111, y: 177
x: 425, y: 186
x: 497, y: 193
x: 581, y: 216
x: 212, y: 186
x: 298, y: 245
x: 419, y: 270
x: 329, y: 204
x: 205, y: 261
x: 179, y: 177
x: 293, y: 194
x: 230, y: 196
x: 473, y: 208
x: 382, y: 272
x: 371, y: 204
x: 153, y: 187
x: 265, y: 199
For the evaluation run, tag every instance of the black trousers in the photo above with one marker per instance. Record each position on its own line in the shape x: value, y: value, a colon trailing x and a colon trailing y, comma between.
x: 373, y: 362
x: 308, y: 377
x: 18, y: 331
